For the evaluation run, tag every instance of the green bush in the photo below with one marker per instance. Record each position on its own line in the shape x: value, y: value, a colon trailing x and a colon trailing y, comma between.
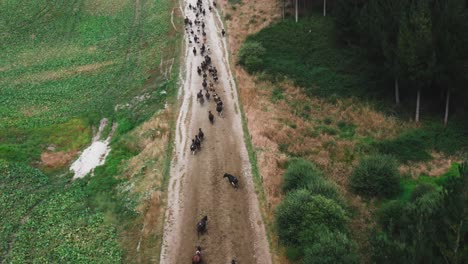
x: 376, y: 176
x: 422, y: 189
x: 299, y: 174
x: 327, y: 190
x: 330, y: 248
x: 250, y: 56
x: 386, y: 250
x: 389, y: 215
x: 294, y: 253
x: 290, y: 215
x: 300, y: 211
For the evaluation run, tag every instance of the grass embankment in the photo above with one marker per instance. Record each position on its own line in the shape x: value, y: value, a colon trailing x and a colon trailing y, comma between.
x: 63, y: 67
x: 343, y: 117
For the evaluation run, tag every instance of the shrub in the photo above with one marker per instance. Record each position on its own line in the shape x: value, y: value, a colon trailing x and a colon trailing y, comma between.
x: 300, y: 212
x: 421, y: 190
x: 389, y: 215
x: 376, y: 176
x: 299, y: 174
x: 294, y: 253
x: 250, y: 56
x: 386, y: 250
x: 290, y: 215
x: 327, y: 190
x: 330, y: 247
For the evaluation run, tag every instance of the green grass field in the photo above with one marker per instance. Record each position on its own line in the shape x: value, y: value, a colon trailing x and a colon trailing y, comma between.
x: 44, y: 222
x: 77, y: 60
x: 65, y: 65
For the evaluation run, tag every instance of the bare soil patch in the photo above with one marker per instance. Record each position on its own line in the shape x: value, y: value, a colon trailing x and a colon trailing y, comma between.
x: 58, y: 159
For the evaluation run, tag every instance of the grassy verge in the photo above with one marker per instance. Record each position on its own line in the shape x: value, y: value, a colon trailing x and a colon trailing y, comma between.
x: 65, y: 66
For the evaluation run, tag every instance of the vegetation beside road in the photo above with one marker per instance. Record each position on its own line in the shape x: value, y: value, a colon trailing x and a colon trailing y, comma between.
x: 349, y: 122
x: 65, y: 66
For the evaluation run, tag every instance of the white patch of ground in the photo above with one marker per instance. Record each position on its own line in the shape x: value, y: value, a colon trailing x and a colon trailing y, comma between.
x: 94, y: 155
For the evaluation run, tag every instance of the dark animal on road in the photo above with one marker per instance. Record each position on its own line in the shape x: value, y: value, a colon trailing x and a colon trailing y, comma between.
x: 207, y: 95
x: 200, y: 97
x: 232, y: 179
x: 197, y: 142
x: 219, y: 109
x: 197, y: 258
x: 195, y: 50
x: 201, y: 226
x: 201, y: 135
x: 211, y: 117
x: 193, y: 147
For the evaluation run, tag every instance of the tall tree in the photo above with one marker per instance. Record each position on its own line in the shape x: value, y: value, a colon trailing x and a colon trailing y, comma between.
x: 416, y: 49
x: 324, y: 7
x: 451, y: 40
x: 385, y: 17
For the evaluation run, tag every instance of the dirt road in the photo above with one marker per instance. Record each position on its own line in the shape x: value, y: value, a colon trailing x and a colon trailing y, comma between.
x: 196, y: 188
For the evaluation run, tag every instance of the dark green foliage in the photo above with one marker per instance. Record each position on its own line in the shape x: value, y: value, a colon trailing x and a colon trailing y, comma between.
x: 376, y: 176
x: 414, y: 145
x: 290, y: 214
x: 431, y: 228
x: 421, y: 190
x: 300, y: 211
x: 300, y: 174
x: 407, y: 147
x: 326, y: 189
x: 389, y: 215
x: 415, y: 45
x: 385, y: 250
x: 250, y: 56
x: 307, y: 53
x: 330, y: 247
x: 294, y: 253
x: 421, y: 44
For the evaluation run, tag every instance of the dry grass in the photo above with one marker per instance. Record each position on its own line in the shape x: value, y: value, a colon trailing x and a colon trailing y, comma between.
x: 145, y: 174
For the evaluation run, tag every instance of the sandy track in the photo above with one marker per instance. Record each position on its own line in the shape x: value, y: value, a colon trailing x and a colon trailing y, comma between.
x: 196, y: 187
